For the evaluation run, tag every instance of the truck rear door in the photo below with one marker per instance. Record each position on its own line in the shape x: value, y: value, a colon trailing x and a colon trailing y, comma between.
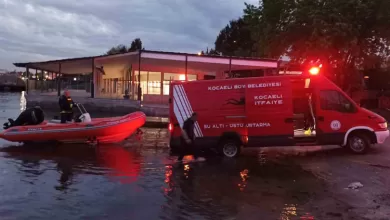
x: 269, y: 113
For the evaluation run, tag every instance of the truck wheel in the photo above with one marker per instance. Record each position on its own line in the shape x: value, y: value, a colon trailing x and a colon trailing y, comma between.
x: 358, y: 143
x: 230, y: 148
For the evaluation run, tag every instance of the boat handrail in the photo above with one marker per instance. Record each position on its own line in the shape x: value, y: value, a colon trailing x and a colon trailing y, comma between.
x: 81, y: 108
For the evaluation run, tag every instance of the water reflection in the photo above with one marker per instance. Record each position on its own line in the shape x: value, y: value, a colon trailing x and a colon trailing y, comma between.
x: 168, y: 180
x: 289, y: 212
x: 244, y: 177
x: 125, y: 164
x: 207, y: 190
x: 23, y: 102
x: 71, y: 160
x: 143, y: 180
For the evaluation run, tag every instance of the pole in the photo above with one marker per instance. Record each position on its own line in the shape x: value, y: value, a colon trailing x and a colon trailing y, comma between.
x: 186, y: 65
x: 59, y: 80
x: 42, y: 82
x: 93, y: 76
x: 36, y: 79
x: 28, y: 80
x: 139, y: 76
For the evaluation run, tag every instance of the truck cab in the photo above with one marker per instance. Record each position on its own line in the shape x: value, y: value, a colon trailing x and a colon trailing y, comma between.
x: 305, y: 109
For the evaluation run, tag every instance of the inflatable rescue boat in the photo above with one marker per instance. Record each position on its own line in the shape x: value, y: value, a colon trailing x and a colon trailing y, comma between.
x: 82, y: 130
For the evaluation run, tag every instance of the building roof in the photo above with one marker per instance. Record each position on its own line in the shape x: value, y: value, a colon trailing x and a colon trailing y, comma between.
x: 85, y: 65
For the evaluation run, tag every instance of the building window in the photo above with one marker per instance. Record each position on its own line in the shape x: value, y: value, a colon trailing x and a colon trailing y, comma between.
x: 168, y: 77
x: 154, y: 83
x: 144, y: 82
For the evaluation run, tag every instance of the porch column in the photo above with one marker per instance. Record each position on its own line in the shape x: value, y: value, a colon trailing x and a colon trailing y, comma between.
x: 162, y: 84
x: 36, y: 79
x: 59, y: 80
x: 42, y: 82
x: 139, y: 77
x: 28, y: 79
x: 133, y: 84
x: 186, y: 65
x: 129, y: 79
x: 93, y: 79
x: 51, y: 82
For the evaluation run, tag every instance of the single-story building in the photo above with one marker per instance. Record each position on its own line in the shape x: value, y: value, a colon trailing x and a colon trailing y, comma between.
x: 146, y: 74
x: 142, y: 75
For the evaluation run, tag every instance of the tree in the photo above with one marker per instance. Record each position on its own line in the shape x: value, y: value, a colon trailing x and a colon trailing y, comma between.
x: 234, y: 40
x: 211, y: 52
x: 135, y: 45
x: 266, y: 23
x: 117, y: 50
x: 347, y: 36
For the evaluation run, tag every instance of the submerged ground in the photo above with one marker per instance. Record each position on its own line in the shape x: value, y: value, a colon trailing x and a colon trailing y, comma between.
x: 139, y: 179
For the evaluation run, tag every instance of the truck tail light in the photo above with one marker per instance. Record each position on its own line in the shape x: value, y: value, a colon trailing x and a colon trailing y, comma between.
x: 383, y: 125
x: 170, y: 127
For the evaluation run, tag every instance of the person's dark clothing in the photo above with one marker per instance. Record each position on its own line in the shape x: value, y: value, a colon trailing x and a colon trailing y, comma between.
x: 188, y: 127
x: 66, y: 116
x: 30, y: 116
x: 188, y: 148
x: 66, y: 104
x: 66, y: 108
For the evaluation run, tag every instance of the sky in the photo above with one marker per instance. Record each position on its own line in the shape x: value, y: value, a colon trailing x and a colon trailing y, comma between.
x: 38, y: 30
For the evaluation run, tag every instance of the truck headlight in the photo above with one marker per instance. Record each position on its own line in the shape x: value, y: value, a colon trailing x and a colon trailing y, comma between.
x: 383, y: 125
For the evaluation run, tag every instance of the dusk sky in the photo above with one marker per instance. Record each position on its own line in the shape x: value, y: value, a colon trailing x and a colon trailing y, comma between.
x: 34, y: 30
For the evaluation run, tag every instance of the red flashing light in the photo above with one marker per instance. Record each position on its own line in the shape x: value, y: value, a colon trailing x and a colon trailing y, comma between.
x: 314, y: 70
x: 170, y: 127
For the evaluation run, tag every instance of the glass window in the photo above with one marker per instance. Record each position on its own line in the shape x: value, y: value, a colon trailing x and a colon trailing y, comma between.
x: 168, y: 77
x: 192, y: 77
x: 154, y: 83
x: 335, y: 101
x: 144, y: 82
x: 175, y: 77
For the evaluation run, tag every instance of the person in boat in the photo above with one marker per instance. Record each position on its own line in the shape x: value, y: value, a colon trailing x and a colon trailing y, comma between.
x: 30, y: 116
x: 188, y: 138
x: 66, y: 107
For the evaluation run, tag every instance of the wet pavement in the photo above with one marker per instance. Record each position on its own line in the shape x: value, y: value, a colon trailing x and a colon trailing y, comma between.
x: 139, y: 179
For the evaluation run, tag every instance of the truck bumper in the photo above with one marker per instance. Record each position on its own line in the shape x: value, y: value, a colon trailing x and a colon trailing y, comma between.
x: 381, y: 136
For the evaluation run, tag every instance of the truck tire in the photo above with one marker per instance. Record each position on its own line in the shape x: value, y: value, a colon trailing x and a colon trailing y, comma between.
x: 230, y: 148
x: 358, y: 143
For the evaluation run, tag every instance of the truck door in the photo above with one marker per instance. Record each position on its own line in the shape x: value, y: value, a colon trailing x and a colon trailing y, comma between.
x: 269, y: 112
x: 334, y: 111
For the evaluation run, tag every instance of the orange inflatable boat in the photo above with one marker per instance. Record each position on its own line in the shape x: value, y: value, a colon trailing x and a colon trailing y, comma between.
x: 97, y: 130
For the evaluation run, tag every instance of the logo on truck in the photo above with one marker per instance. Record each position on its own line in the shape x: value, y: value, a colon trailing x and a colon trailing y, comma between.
x: 335, y: 125
x: 241, y: 101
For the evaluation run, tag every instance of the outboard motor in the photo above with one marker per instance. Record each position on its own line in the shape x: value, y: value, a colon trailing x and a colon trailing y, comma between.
x: 30, y: 116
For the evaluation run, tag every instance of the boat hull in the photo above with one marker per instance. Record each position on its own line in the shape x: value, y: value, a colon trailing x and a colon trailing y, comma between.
x: 101, y: 130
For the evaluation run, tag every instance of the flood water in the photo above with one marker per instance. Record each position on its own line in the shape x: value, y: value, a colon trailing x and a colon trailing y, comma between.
x: 140, y: 180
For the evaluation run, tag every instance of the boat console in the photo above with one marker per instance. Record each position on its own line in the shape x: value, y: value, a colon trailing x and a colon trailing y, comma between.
x: 83, y: 116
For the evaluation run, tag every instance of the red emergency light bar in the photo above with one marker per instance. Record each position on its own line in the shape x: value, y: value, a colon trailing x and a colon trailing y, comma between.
x: 314, y: 70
